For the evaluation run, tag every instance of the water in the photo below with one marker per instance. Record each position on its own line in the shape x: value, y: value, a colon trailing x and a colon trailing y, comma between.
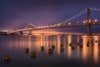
x: 52, y: 50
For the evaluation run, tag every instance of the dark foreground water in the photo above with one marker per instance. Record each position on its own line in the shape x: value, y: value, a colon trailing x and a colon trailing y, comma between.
x: 50, y: 51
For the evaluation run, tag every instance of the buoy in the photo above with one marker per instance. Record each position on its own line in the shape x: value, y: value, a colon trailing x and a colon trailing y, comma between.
x: 7, y: 58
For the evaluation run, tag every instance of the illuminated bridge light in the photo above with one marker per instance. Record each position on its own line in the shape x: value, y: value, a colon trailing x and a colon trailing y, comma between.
x: 59, y: 24
x: 53, y: 25
x: 84, y: 22
x: 95, y: 20
x: 5, y: 30
x: 69, y: 23
x: 89, y: 20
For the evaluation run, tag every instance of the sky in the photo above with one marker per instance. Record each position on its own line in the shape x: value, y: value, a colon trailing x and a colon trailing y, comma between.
x: 15, y: 13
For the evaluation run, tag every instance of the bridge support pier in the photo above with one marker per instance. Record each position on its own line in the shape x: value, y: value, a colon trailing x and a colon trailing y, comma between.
x: 78, y: 39
x: 58, y: 43
x: 96, y: 49
x: 30, y: 43
x: 69, y: 50
x: 65, y: 43
x: 69, y: 39
x: 42, y: 40
x: 85, y: 49
x: 46, y: 42
x: 30, y: 32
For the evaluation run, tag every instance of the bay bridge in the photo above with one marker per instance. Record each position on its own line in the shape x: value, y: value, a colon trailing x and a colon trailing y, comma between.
x: 45, y: 39
x: 88, y: 22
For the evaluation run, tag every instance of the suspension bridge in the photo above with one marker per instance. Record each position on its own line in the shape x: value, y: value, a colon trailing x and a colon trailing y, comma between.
x: 88, y: 22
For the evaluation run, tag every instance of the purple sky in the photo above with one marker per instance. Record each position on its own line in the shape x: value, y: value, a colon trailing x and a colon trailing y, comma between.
x: 40, y: 12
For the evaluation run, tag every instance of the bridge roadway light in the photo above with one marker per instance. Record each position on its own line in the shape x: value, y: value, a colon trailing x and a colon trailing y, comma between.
x: 89, y: 20
x: 53, y: 25
x: 84, y: 22
x: 59, y: 24
x: 95, y: 20
x: 69, y: 23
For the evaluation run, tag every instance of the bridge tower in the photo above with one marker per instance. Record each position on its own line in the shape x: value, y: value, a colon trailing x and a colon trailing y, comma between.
x: 89, y: 21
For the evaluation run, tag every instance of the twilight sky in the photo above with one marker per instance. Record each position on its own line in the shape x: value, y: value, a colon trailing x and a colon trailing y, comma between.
x: 40, y: 12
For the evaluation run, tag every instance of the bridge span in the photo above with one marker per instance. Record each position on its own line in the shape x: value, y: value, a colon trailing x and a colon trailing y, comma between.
x: 88, y: 23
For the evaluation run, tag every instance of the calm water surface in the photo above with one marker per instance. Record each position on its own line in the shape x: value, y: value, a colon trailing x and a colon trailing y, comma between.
x: 48, y: 51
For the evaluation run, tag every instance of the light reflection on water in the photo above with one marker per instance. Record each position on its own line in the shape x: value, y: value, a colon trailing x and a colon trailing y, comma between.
x: 90, y: 49
x: 85, y: 48
x: 96, y: 49
x: 69, y: 52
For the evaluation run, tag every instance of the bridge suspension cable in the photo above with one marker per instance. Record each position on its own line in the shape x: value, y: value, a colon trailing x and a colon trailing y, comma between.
x: 76, y: 16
